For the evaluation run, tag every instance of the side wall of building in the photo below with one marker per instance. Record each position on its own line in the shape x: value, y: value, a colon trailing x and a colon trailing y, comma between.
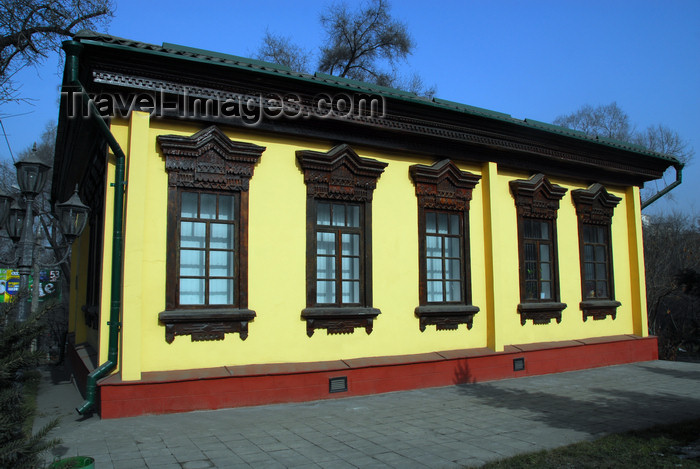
x: 277, y: 263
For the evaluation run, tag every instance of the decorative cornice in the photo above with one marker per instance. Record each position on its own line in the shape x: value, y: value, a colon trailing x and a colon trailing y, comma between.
x: 537, y: 197
x: 209, y: 160
x: 163, y: 82
x: 443, y: 185
x: 340, y: 174
x: 595, y: 205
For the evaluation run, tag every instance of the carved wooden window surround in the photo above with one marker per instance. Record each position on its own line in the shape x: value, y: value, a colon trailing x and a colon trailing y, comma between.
x: 339, y: 187
x: 207, y: 170
x: 444, y: 192
x: 594, y: 209
x: 536, y: 203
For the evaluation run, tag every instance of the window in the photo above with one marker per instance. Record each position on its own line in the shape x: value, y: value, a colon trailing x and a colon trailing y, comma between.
x: 444, y: 193
x: 538, y: 254
x: 207, y: 264
x: 207, y: 249
x: 338, y: 255
x: 537, y: 202
x: 444, y: 237
x: 594, y: 209
x: 340, y: 185
x: 596, y: 275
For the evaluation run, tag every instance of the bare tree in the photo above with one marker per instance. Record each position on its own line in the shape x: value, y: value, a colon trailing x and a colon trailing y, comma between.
x: 31, y: 29
x: 611, y: 121
x: 280, y: 50
x: 49, y: 247
x: 662, y: 139
x: 607, y: 120
x: 366, y: 44
x: 357, y: 41
x: 672, y: 262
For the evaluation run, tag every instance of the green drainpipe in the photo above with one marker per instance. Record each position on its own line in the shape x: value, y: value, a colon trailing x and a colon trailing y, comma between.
x: 73, y: 49
x: 679, y: 178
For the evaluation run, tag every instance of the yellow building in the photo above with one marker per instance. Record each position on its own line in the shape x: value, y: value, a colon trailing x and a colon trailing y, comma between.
x: 259, y: 235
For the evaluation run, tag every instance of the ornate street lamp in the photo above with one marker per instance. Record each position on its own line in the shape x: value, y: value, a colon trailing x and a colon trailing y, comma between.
x: 31, y: 174
x: 5, y: 202
x: 18, y: 220
x: 15, y: 222
x: 72, y: 216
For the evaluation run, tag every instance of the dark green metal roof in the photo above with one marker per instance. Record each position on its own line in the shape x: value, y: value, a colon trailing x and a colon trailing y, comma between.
x: 201, y: 55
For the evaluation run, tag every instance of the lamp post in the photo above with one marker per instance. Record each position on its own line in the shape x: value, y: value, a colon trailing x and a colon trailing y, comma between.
x: 32, y: 173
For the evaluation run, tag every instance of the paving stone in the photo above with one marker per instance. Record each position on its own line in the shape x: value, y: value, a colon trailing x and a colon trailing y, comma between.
x: 129, y: 464
x: 456, y: 426
x: 199, y: 464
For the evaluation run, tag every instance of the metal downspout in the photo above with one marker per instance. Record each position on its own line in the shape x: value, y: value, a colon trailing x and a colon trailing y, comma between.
x: 73, y: 49
x: 679, y: 178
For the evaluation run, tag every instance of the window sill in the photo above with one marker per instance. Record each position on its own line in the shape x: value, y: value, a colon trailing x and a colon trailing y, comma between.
x: 339, y: 320
x: 541, y: 313
x: 205, y: 324
x: 599, y: 309
x: 446, y: 317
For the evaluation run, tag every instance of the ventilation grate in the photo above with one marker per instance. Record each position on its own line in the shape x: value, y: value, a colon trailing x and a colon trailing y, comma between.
x: 519, y: 364
x: 338, y: 384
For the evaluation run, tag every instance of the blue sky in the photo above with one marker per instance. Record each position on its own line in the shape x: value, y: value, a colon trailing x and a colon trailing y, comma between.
x: 531, y: 59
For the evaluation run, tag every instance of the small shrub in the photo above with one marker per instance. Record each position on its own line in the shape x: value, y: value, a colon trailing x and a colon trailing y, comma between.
x: 19, y: 447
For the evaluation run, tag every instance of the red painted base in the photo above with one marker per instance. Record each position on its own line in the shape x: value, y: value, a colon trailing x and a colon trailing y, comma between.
x: 167, y: 392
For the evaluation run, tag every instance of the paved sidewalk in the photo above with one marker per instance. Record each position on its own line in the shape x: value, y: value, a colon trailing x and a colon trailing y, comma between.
x: 444, y: 427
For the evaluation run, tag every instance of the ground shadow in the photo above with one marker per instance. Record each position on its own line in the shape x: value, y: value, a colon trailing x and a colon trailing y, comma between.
x: 584, y: 408
x: 682, y: 374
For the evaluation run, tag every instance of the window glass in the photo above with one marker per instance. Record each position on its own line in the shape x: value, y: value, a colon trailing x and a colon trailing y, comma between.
x: 221, y: 291
x: 192, y: 235
x: 443, y: 256
x: 433, y: 246
x: 537, y: 275
x: 351, y: 292
x: 351, y: 268
x: 435, y: 293
x: 188, y: 207
x: 207, y: 249
x: 221, y: 264
x: 442, y: 223
x: 454, y: 224
x: 350, y: 244
x: 338, y: 215
x: 453, y: 291
x: 221, y: 236
x: 453, y: 247
x: 325, y: 267
x: 226, y: 207
x: 192, y: 291
x: 338, y: 253
x: 323, y: 214
x: 546, y: 291
x: 192, y: 263
x: 325, y: 243
x: 325, y: 292
x: 208, y: 206
x: 595, y: 262
x: 353, y: 216
x: 430, y: 222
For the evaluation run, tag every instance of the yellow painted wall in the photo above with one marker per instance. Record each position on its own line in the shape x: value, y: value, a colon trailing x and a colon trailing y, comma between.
x: 276, y: 263
x: 572, y: 325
